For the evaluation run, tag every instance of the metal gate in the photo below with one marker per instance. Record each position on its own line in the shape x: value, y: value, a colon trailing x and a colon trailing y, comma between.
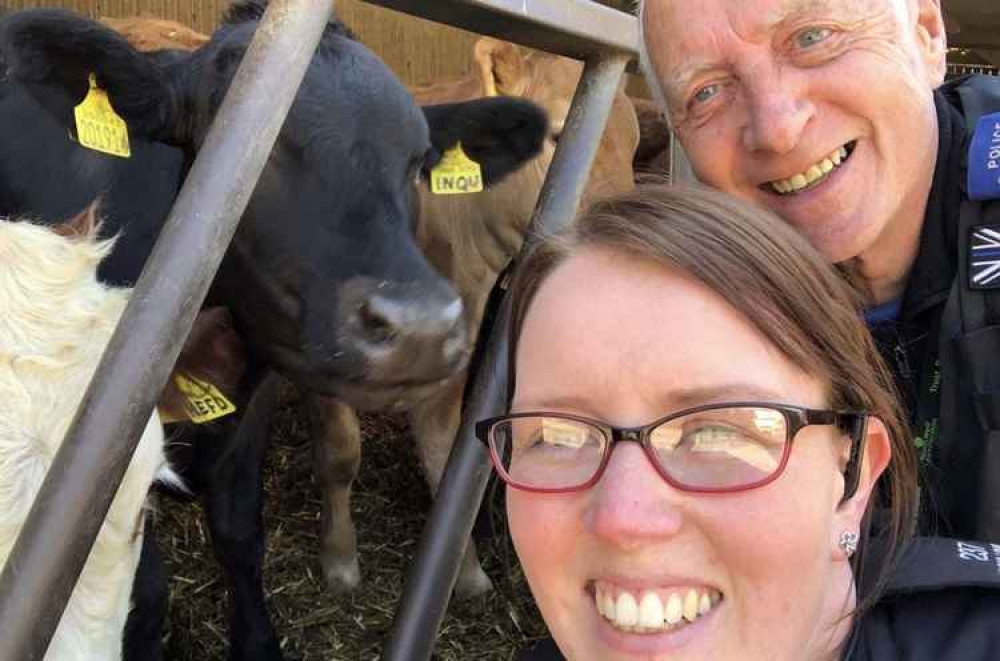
x: 63, y: 522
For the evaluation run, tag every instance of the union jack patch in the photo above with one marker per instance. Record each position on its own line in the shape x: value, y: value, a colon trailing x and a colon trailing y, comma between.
x: 984, y: 262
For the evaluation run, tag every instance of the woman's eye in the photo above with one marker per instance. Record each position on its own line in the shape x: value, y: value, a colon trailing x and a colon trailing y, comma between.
x: 713, y: 435
x: 812, y: 36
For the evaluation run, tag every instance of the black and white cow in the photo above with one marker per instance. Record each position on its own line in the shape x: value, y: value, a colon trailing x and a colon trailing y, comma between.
x: 324, y: 281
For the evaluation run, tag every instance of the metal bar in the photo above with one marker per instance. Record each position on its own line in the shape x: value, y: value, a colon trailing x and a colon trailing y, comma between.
x: 50, y: 552
x: 575, y: 28
x: 680, y: 166
x: 432, y: 574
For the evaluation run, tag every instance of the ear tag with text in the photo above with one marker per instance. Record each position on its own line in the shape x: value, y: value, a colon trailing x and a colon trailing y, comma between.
x: 456, y: 174
x: 98, y: 126
x: 202, y: 401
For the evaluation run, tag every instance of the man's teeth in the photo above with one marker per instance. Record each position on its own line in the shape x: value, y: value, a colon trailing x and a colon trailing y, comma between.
x: 813, y: 174
x: 654, y: 611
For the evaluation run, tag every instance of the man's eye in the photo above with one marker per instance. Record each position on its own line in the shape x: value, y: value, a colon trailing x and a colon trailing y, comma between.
x: 706, y: 93
x: 812, y: 36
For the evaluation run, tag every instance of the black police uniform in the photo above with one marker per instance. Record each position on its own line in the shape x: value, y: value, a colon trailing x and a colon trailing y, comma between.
x: 943, y: 604
x: 923, y: 344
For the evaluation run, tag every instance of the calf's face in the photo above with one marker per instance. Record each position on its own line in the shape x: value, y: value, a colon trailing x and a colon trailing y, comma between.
x: 328, y: 235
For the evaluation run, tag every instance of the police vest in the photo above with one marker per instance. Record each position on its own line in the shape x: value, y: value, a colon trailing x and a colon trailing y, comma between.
x: 972, y: 313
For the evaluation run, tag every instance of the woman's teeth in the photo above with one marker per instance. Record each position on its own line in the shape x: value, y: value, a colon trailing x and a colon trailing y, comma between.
x: 813, y: 173
x: 654, y: 611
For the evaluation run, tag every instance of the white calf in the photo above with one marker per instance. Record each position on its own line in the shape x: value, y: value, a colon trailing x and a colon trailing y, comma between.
x: 55, y: 321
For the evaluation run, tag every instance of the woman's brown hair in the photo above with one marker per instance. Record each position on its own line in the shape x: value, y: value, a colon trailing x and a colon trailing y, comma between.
x: 768, y: 272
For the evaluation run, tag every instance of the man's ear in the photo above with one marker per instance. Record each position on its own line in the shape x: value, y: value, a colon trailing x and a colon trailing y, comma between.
x: 502, y: 68
x: 932, y: 39
x: 876, y: 451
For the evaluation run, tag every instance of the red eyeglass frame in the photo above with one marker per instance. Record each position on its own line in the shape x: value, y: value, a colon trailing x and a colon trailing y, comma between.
x: 852, y: 423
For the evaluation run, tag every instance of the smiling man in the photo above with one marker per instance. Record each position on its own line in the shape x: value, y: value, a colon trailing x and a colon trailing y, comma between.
x: 832, y: 114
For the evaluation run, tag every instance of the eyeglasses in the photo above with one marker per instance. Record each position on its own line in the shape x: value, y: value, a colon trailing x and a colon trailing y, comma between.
x: 717, y: 448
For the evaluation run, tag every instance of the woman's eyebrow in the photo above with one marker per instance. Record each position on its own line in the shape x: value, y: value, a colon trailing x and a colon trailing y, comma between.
x: 676, y: 399
x: 558, y: 403
x: 688, y: 397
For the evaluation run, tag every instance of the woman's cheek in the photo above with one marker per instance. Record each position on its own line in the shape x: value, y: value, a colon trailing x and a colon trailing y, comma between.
x: 544, y: 527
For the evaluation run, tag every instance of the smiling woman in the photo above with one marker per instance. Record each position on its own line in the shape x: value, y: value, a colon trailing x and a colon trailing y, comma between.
x: 698, y: 423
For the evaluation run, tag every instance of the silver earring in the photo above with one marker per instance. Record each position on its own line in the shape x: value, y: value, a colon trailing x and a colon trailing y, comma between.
x: 848, y: 542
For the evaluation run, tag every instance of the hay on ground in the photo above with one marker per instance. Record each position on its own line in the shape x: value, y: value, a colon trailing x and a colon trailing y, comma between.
x: 312, y: 623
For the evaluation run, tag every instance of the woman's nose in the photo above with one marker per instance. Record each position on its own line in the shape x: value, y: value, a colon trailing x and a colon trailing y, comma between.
x: 632, y: 504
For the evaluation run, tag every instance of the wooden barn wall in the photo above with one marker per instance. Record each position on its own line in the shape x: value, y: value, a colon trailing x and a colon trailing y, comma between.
x: 199, y: 14
x: 418, y: 51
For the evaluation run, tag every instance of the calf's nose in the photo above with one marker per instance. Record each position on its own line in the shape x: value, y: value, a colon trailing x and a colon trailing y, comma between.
x: 409, y: 333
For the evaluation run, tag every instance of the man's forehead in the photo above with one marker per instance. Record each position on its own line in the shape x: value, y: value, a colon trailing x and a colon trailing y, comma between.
x: 680, y: 49
x: 766, y: 12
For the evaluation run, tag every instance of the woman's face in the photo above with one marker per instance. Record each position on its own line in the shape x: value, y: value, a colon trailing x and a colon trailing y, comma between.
x: 625, y: 341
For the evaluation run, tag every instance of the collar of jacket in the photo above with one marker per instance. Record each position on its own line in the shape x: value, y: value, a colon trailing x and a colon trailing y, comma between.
x: 933, y: 271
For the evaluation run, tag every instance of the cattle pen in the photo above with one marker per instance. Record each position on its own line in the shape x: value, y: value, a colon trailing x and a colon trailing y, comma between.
x: 53, y: 545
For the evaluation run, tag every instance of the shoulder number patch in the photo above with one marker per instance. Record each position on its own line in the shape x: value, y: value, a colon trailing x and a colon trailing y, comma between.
x: 984, y: 159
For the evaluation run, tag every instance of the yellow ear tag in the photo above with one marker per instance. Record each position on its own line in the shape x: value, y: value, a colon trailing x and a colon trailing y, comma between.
x: 456, y: 174
x: 98, y: 126
x: 202, y: 401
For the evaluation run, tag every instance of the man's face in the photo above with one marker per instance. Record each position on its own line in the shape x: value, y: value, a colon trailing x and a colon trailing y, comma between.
x: 820, y: 110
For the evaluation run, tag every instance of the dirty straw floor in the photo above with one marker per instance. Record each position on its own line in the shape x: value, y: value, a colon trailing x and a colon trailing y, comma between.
x: 314, y: 624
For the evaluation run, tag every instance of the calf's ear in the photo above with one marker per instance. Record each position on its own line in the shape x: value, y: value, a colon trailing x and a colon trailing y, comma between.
x: 213, y: 353
x: 83, y: 225
x: 149, y: 34
x: 502, y: 68
x: 654, y: 133
x: 501, y: 133
x: 52, y: 53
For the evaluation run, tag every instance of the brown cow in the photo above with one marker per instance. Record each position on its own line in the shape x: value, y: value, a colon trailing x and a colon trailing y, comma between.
x: 652, y: 157
x: 469, y: 239
x: 149, y: 34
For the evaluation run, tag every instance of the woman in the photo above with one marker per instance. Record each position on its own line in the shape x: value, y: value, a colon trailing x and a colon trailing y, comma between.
x: 698, y: 424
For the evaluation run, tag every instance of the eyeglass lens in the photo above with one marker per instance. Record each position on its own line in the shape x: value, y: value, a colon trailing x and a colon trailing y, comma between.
x: 724, y: 448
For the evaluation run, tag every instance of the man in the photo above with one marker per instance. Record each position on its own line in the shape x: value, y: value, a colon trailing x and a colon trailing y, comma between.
x: 829, y: 113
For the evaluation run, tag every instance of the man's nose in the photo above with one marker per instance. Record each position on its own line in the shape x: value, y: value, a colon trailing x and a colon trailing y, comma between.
x: 632, y: 504
x: 778, y: 114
